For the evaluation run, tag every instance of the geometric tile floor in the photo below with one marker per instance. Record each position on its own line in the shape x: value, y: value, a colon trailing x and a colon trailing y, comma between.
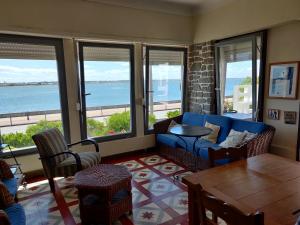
x: 157, y: 198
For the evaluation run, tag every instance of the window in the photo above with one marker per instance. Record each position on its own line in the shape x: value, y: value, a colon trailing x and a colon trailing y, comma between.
x: 164, y: 83
x: 32, y: 89
x: 240, y: 69
x: 107, y: 90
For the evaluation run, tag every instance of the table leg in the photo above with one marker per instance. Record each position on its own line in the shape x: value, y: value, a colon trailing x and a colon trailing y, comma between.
x: 193, y: 207
x: 195, y: 153
x: 175, y: 176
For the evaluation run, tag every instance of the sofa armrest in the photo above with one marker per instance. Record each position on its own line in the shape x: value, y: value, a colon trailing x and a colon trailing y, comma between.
x: 162, y: 126
x: 234, y: 153
x: 261, y: 143
x: 4, y: 218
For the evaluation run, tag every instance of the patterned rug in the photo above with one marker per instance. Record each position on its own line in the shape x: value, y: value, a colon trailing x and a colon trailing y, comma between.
x: 157, y: 198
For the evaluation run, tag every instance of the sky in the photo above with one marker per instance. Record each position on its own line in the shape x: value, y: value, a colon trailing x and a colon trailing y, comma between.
x: 240, y: 69
x: 16, y: 70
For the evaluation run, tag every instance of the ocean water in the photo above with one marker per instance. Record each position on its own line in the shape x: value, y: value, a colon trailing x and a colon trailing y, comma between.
x: 14, y: 99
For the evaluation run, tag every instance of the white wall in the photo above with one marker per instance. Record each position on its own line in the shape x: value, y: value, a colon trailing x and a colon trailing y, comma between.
x: 82, y: 19
x: 283, y: 46
x: 244, y: 16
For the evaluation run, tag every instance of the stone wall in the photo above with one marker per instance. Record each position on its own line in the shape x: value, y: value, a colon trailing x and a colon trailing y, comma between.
x: 201, y: 78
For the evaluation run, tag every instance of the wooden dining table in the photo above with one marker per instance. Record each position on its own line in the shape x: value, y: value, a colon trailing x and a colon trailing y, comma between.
x: 266, y: 182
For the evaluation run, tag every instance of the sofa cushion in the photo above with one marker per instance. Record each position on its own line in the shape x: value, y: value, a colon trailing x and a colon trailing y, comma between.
x: 187, y: 143
x: 194, y: 119
x: 167, y: 139
x: 224, y: 123
x: 201, y: 148
x: 251, y: 126
x: 203, y: 153
x: 11, y: 185
x: 234, y: 139
x: 213, y: 136
x: 16, y: 214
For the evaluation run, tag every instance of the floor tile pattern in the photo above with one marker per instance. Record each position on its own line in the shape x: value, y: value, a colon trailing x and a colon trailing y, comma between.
x: 157, y: 198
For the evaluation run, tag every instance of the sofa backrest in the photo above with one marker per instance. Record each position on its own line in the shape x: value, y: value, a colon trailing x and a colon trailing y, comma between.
x: 224, y: 123
x: 193, y: 119
x: 251, y: 126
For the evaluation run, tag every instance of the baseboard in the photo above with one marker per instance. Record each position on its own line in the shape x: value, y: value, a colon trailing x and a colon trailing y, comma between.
x: 283, y: 151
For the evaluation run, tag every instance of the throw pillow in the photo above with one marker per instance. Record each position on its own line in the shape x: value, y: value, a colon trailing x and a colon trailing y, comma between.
x: 213, y: 136
x: 233, y: 139
x: 172, y: 124
x: 249, y: 136
x: 6, y: 198
x: 5, y: 172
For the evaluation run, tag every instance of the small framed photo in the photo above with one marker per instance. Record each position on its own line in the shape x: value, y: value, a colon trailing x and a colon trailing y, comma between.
x: 290, y: 117
x: 274, y: 114
x: 283, y: 80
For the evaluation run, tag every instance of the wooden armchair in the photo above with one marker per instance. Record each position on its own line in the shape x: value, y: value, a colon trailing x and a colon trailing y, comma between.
x: 4, y: 220
x: 58, y: 160
x: 227, y: 212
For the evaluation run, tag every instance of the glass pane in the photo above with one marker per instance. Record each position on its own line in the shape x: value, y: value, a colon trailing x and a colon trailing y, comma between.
x: 236, y: 80
x: 108, y: 90
x: 29, y: 92
x: 165, y: 84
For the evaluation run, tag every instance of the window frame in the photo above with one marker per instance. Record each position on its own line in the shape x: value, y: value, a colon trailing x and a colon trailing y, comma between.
x: 259, y: 104
x: 82, y: 94
x: 148, y: 48
x: 62, y: 83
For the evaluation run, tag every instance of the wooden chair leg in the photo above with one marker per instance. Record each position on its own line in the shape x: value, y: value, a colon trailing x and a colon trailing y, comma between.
x: 51, y: 183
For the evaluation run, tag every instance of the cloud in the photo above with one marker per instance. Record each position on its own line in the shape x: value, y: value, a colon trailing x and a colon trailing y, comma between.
x: 104, y: 75
x: 27, y: 74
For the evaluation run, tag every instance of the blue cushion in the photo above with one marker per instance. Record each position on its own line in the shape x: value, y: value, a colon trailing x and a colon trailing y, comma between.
x: 224, y: 123
x: 187, y: 143
x: 11, y: 185
x: 16, y: 214
x: 193, y: 119
x: 203, y: 153
x: 167, y: 139
x: 251, y: 126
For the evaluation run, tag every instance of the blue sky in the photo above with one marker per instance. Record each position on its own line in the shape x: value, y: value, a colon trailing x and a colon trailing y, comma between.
x: 12, y: 70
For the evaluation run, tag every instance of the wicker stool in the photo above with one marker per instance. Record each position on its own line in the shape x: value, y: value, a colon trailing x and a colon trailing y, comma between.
x: 104, y: 193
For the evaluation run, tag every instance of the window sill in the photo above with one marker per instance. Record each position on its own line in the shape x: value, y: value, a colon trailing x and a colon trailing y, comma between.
x: 19, y: 152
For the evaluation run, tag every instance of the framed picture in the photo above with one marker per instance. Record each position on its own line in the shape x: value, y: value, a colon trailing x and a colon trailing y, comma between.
x: 274, y: 114
x: 290, y: 117
x: 283, y: 80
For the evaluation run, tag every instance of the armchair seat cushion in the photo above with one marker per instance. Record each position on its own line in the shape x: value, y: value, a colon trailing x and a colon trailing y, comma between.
x: 11, y: 185
x: 68, y: 167
x: 88, y: 159
x: 16, y: 214
x: 167, y: 139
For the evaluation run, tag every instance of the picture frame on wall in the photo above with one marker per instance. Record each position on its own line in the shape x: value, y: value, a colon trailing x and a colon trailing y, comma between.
x: 283, y: 82
x: 290, y: 117
x: 274, y: 114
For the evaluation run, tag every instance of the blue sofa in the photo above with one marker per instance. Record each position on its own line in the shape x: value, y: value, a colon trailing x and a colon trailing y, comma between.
x: 175, y: 148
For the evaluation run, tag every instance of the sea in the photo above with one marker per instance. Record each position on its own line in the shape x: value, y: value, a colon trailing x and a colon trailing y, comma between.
x: 28, y: 98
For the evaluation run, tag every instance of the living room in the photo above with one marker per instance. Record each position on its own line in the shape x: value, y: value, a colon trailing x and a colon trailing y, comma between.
x: 143, y: 39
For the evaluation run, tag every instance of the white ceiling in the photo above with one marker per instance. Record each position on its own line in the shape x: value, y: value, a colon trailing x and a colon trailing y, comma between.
x: 181, y: 7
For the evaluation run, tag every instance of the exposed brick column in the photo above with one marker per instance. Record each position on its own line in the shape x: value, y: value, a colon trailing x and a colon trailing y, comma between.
x: 201, y: 78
